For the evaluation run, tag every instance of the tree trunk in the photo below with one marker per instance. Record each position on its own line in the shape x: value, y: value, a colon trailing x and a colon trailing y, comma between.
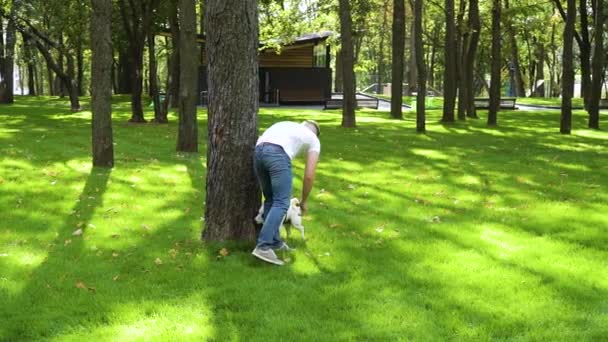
x: 174, y: 75
x: 568, y: 70
x: 80, y: 68
x: 339, y: 82
x: 461, y: 48
x: 585, y: 53
x: 160, y: 116
x: 381, y: 64
x: 412, y: 75
x: 469, y: 80
x: 398, y: 51
x: 450, y: 55
x: 348, y: 66
x: 7, y: 82
x: 31, y: 66
x: 136, y: 55
x: 233, y: 195
x: 496, y: 62
x: 124, y: 69
x: 420, y: 67
x: 598, y: 66
x: 101, y: 82
x: 539, y: 88
x: 71, y: 84
x: 520, y: 88
x: 187, y: 137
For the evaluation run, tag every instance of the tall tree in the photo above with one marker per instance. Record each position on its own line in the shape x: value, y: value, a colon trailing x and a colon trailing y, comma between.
x: 450, y: 71
x: 101, y: 82
x: 599, y: 56
x: 568, y: 69
x: 137, y: 16
x: 7, y: 59
x: 398, y: 51
x: 187, y: 137
x: 468, y: 83
x: 173, y: 60
x: 496, y: 63
x: 520, y: 89
x: 348, y: 66
x: 233, y: 195
x: 421, y: 69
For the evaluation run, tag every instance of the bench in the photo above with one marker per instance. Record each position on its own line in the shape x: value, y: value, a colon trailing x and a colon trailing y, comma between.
x: 505, y: 103
x: 361, y: 103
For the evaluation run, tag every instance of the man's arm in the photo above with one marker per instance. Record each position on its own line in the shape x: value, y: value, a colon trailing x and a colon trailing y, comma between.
x: 309, y: 178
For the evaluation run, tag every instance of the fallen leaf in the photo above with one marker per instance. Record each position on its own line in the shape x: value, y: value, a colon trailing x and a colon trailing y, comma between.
x: 114, y: 254
x: 67, y: 242
x: 115, y: 236
x: 173, y: 253
x: 224, y: 252
x: 158, y: 261
x: 81, y: 285
x: 146, y: 227
x: 335, y: 225
x: 80, y: 224
x: 77, y: 232
x: 350, y: 186
x: 116, y: 278
x: 187, y: 210
x: 436, y: 219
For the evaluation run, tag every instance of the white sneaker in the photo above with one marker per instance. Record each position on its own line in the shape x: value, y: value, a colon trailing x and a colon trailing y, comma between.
x: 267, y: 255
x: 284, y: 247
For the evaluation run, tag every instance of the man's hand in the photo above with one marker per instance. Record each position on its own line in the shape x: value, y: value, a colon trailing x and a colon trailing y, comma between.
x: 303, y: 207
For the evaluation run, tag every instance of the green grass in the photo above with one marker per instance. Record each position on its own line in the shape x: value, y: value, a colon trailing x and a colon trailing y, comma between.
x: 465, y: 233
x: 551, y: 101
x: 432, y: 102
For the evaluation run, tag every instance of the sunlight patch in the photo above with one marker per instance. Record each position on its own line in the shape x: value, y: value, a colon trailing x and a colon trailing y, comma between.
x: 430, y: 154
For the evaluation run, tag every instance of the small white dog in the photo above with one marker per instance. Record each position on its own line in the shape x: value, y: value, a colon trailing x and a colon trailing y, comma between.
x: 293, y: 216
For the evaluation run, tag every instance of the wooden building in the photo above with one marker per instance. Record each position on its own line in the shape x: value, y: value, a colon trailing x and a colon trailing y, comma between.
x: 299, y: 73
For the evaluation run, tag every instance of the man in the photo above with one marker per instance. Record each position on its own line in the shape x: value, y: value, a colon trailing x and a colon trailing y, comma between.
x: 274, y: 151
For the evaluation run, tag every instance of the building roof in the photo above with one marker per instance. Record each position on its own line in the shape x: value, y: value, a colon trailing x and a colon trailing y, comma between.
x: 314, y: 37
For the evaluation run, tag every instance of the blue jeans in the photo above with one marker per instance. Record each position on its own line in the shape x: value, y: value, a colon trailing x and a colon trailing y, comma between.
x: 273, y: 170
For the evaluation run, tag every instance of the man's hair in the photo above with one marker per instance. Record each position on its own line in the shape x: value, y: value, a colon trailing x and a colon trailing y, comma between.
x: 315, y: 124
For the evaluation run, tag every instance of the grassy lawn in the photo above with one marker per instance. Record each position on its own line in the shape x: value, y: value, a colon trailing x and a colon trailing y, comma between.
x: 432, y: 102
x: 466, y: 233
x: 551, y: 101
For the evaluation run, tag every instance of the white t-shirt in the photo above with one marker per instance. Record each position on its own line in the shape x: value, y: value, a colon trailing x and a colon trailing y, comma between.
x: 295, y: 138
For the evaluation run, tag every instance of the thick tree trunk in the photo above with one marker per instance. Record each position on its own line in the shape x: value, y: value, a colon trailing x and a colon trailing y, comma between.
x: 461, y: 48
x: 599, y: 55
x: 381, y: 64
x: 136, y: 55
x: 398, y: 51
x: 469, y: 76
x: 71, y: 84
x: 412, y: 73
x: 496, y: 62
x: 421, y: 72
x: 568, y: 70
x: 233, y: 194
x: 187, y: 137
x: 7, y: 82
x: 539, y: 88
x: 450, y: 72
x: 31, y: 66
x: 124, y: 71
x: 101, y: 83
x: 348, y: 66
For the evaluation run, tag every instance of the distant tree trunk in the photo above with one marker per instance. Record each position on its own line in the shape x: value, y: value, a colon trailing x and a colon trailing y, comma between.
x: 469, y: 63
x: 599, y: 55
x: 123, y: 71
x: 412, y: 73
x: 381, y: 64
x: 187, y: 137
x: 568, y: 70
x: 539, y: 88
x: 7, y: 82
x: 31, y: 66
x: 585, y: 53
x: 160, y: 116
x: 496, y: 62
x: 339, y: 82
x: 174, y: 70
x: 520, y: 88
x: 398, y: 51
x: 233, y: 195
x: 101, y: 83
x: 421, y: 72
x: 450, y: 73
x: 80, y: 68
x: 348, y: 66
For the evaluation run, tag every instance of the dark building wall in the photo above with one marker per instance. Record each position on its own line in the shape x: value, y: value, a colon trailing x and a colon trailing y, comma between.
x: 296, y: 85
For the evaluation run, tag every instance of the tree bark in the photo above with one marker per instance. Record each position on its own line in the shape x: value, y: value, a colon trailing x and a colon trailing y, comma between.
x: 568, y: 70
x: 160, y: 116
x: 31, y: 66
x: 187, y: 137
x: 450, y: 72
x: 599, y: 55
x: 174, y: 67
x: 461, y: 48
x: 469, y: 75
x: 381, y: 64
x: 496, y: 62
x: 420, y: 67
x: 520, y: 88
x: 7, y: 82
x: 80, y: 68
x: 398, y: 51
x: 101, y: 83
x: 339, y: 82
x: 349, y: 102
x: 233, y: 194
x: 585, y: 53
x: 123, y: 71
